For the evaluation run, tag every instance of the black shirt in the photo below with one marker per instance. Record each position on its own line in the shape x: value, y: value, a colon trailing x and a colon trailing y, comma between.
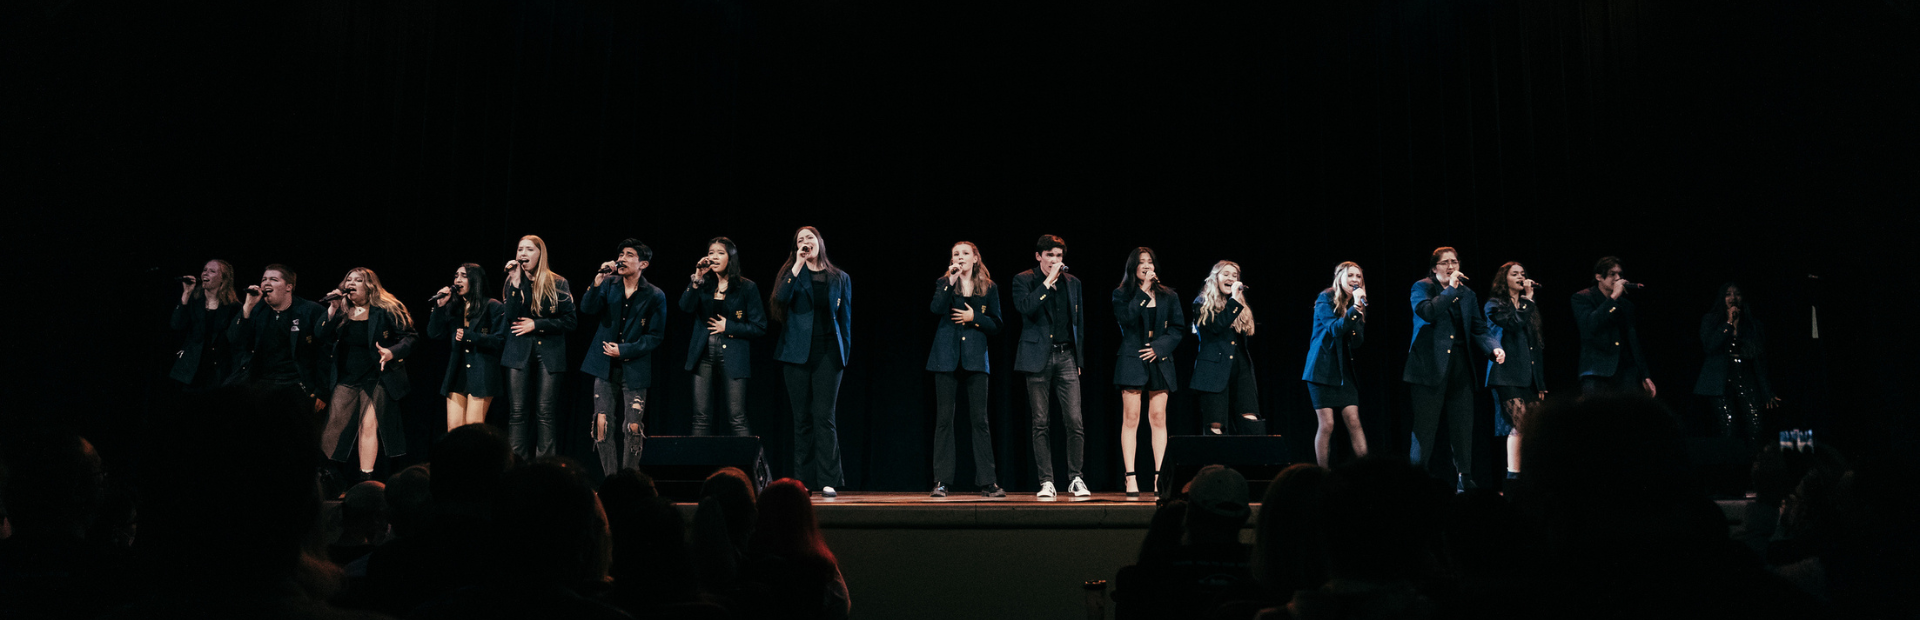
x: 713, y: 307
x: 1060, y: 312
x: 273, y: 356
x: 822, y: 312
x: 357, y: 367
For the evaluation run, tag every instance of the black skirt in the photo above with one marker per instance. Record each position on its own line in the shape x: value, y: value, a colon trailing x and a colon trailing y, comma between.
x: 1334, y: 397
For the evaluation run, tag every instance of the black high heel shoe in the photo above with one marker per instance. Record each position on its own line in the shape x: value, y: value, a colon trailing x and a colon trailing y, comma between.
x: 1136, y: 486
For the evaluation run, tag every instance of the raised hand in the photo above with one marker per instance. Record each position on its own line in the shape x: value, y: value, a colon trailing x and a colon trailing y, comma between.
x: 445, y: 295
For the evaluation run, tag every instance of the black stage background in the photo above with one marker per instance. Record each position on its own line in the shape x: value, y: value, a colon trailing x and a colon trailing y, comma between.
x: 1701, y: 141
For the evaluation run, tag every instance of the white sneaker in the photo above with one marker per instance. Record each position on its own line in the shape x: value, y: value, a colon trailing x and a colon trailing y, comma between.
x: 1078, y: 488
x: 828, y: 492
x: 1046, y: 491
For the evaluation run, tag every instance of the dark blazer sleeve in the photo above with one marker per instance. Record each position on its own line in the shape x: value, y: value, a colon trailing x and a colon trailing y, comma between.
x: 942, y: 297
x: 437, y: 320
x: 1169, y: 337
x: 845, y: 312
x: 1127, y: 304
x: 1506, y: 316
x: 1221, y: 325
x: 1425, y: 301
x: 987, y: 317
x: 594, y: 301
x: 494, y: 339
x: 182, y: 318
x: 753, y: 321
x: 403, y: 346
x: 563, y: 319
x: 1028, y: 288
x: 330, y: 324
x: 240, y: 331
x: 1593, y: 313
x: 1714, y: 332
x: 1477, y: 328
x: 654, y: 328
x: 690, y: 299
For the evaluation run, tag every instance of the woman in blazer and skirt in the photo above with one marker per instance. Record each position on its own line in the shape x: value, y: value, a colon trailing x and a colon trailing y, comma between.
x: 968, y: 305
x: 1151, y: 323
x: 1519, y: 381
x: 467, y: 318
x: 367, y: 336
x: 1339, y: 328
x: 727, y: 316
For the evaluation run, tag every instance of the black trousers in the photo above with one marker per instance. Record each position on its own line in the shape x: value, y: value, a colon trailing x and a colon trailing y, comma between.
x: 813, y: 389
x: 1452, y: 401
x: 544, y: 388
x: 712, y: 366
x: 944, y: 384
x: 1060, y: 378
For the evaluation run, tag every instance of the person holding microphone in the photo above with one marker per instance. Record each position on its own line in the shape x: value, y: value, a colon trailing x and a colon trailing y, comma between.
x: 815, y: 302
x: 1051, y: 325
x: 208, y: 305
x: 467, y: 318
x: 1733, y: 376
x: 1339, y: 328
x: 1448, y: 329
x: 1520, y: 382
x: 367, y: 335
x: 1223, y: 370
x: 727, y: 315
x: 1151, y: 323
x: 276, y: 339
x: 968, y: 305
x: 633, y: 322
x: 1611, y: 358
x: 539, y: 313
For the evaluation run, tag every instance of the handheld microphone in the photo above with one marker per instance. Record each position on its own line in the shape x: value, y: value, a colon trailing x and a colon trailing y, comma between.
x: 189, y: 280
x: 704, y: 262
x: 1244, y: 286
x: 254, y: 291
x: 440, y: 295
x: 1357, y: 300
x: 609, y: 269
x: 332, y: 297
x: 1631, y: 286
x: 1535, y: 283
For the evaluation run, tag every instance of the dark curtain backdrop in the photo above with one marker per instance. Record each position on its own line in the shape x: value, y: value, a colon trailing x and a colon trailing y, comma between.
x: 1703, y: 141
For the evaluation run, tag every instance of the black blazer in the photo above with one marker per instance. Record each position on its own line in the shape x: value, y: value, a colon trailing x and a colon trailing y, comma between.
x: 1159, y: 327
x: 302, y: 331
x: 383, y: 329
x: 1714, y: 334
x: 478, y: 355
x: 796, y: 339
x: 191, y: 319
x: 1213, y: 367
x: 1036, y: 330
x: 1513, y: 328
x: 549, y: 330
x: 746, y: 319
x: 637, y: 341
x: 1605, y: 324
x: 1335, y: 338
x: 958, y: 346
x: 1434, y: 340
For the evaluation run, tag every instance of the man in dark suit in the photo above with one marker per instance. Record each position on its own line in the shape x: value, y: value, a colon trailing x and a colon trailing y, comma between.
x: 276, y: 343
x: 1048, y: 299
x: 1611, y: 358
x: 1447, y: 329
x: 633, y: 322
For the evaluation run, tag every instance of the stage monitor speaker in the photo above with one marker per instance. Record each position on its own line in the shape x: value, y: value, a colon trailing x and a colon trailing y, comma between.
x: 679, y: 465
x: 1258, y: 457
x: 1722, y: 466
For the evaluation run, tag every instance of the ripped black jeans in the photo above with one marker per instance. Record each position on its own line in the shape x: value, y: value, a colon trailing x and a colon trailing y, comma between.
x: 620, y: 444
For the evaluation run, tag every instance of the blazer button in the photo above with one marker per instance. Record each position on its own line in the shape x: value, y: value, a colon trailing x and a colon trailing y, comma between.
x: 536, y: 342
x: 1449, y: 350
x: 963, y: 337
x: 469, y: 365
x: 1229, y: 357
x: 1449, y: 337
x: 1616, y: 344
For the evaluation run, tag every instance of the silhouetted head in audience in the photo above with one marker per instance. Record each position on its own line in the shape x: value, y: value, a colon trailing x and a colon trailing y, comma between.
x: 468, y: 463
x: 1287, y: 550
x: 1872, y: 568
x: 53, y: 482
x: 1164, y: 532
x: 787, y: 527
x: 551, y: 526
x: 733, y: 492
x: 251, y: 537
x: 1379, y: 520
x: 628, y: 485
x: 1217, y: 507
x: 1610, y: 468
x: 652, y: 563
x: 409, y: 499
x: 363, y: 513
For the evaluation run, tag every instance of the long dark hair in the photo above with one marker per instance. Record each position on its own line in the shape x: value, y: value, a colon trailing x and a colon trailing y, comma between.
x: 1720, y: 300
x: 733, y: 257
x: 1133, y: 265
x: 787, y: 526
x: 1503, y: 295
x: 793, y: 255
x: 474, y: 302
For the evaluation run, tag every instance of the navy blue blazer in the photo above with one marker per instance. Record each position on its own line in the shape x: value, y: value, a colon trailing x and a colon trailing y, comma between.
x: 245, y: 335
x: 478, y: 355
x: 383, y: 329
x: 637, y: 341
x: 1605, y: 324
x: 191, y: 319
x: 1213, y: 367
x: 1335, y: 338
x: 746, y: 319
x: 1159, y: 327
x: 1434, y: 340
x: 1513, y: 328
x: 1714, y: 334
x: 796, y: 341
x: 1036, y: 330
x: 957, y: 346
x: 549, y: 330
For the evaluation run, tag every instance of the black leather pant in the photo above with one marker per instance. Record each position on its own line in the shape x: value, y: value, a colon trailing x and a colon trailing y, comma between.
x: 545, y: 389
x: 712, y: 362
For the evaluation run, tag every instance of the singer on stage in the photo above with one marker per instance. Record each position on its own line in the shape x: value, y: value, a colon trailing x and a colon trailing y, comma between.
x: 469, y: 320
x: 538, y: 315
x: 633, y: 322
x: 814, y: 300
x: 276, y: 342
x: 968, y: 307
x: 1048, y: 300
x: 1611, y: 358
x: 1223, y: 369
x: 1151, y: 324
x: 1520, y: 382
x: 727, y: 316
x: 1734, y: 375
x: 1339, y: 328
x: 1448, y: 330
x: 208, y: 306
x: 367, y: 336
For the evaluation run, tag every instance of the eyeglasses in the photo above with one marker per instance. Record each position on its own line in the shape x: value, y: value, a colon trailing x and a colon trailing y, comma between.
x: 1449, y: 263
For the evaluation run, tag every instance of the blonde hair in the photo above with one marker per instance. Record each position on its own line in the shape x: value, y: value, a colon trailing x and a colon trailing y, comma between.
x: 546, y: 294
x: 378, y: 297
x: 1212, y: 302
x: 1343, y: 296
